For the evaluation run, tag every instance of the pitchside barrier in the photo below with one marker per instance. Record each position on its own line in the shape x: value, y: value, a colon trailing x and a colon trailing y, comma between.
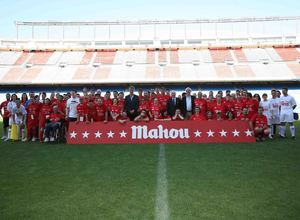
x: 155, y: 132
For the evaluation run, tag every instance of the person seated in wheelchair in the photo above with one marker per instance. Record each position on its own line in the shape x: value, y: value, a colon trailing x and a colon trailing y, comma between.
x: 54, y: 122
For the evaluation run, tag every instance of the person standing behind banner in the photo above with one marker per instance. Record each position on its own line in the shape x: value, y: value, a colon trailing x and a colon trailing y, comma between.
x: 5, y: 116
x: 131, y: 105
x: 18, y: 119
x: 71, y: 111
x: 287, y: 105
x: 173, y: 103
x: 188, y: 103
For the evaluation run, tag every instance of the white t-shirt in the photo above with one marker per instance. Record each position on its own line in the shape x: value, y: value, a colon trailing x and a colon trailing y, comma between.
x: 266, y: 106
x: 287, y: 103
x: 274, y: 104
x: 72, y: 105
x: 19, y: 113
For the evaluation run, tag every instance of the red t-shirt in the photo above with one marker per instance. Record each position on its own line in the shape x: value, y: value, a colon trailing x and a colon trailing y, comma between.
x: 155, y: 108
x: 238, y: 107
x: 243, y: 117
x: 163, y: 101
x: 202, y: 104
x: 55, y: 117
x: 91, y: 112
x: 33, y: 111
x: 259, y: 121
x: 44, y: 112
x: 100, y: 112
x: 3, y: 106
x: 199, y: 117
x: 252, y: 106
x: 81, y: 110
x: 218, y: 108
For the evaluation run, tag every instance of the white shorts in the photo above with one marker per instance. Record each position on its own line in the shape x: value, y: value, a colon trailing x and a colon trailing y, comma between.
x: 275, y: 120
x: 17, y: 120
x: 287, y: 117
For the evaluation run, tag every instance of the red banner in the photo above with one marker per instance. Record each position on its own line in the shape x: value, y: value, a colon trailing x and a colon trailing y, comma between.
x: 160, y: 132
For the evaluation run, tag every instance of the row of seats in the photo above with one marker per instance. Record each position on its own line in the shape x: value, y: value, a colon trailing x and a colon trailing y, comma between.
x: 150, y: 73
x: 149, y: 57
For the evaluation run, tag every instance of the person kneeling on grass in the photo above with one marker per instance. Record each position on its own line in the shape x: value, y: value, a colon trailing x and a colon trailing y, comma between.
x: 54, y: 122
x: 259, y: 124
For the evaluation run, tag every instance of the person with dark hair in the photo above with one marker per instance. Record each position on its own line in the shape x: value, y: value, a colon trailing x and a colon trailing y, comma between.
x: 142, y: 117
x: 5, y: 116
x: 131, y: 105
x: 173, y: 103
x: 45, y: 111
x: 24, y: 98
x: 11, y: 104
x: 258, y: 124
x: 274, y: 112
x: 54, y: 121
x: 287, y: 106
x: 252, y: 105
x: 71, y: 107
x: 33, y: 111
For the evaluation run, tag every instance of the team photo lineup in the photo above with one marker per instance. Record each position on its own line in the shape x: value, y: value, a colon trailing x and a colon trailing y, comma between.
x: 38, y: 117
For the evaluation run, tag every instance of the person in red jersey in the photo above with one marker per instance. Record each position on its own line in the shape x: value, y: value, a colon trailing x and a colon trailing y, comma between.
x: 140, y: 94
x: 107, y: 100
x: 198, y: 116
x: 229, y: 103
x: 178, y: 116
x: 259, y: 124
x: 143, y: 105
x: 115, y: 110
x: 54, y: 121
x: 61, y: 104
x: 218, y: 107
x: 142, y: 117
x: 210, y: 103
x: 91, y: 113
x: 238, y: 106
x: 33, y: 111
x: 166, y: 117
x: 101, y: 111
x: 5, y: 114
x: 155, y: 107
x: 244, y: 115
x: 252, y: 105
x: 81, y: 110
x: 123, y: 118
x: 209, y: 116
x: 45, y: 111
x: 163, y: 98
x: 121, y: 101
x: 201, y: 103
x: 157, y: 116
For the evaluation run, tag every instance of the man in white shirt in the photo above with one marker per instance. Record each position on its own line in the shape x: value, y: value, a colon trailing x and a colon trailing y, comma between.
x: 19, y: 118
x: 274, y: 112
x: 265, y: 104
x: 287, y: 105
x: 71, y: 111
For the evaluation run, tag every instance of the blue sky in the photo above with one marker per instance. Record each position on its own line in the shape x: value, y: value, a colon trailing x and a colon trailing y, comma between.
x: 73, y: 10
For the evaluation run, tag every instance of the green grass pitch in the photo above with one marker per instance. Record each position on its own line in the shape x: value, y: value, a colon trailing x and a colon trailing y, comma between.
x: 204, y: 181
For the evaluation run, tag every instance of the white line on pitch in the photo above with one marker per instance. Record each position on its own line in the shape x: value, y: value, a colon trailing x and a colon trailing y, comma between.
x: 162, y: 208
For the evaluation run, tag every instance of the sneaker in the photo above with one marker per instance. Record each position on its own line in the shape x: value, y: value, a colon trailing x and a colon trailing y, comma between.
x: 282, y: 136
x: 52, y: 139
x: 33, y: 139
x: 270, y: 136
x: 24, y: 139
x: 46, y: 140
x: 293, y: 137
x: 4, y: 137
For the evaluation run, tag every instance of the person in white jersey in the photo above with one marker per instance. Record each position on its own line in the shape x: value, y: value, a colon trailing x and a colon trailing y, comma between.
x: 287, y: 105
x: 71, y: 111
x: 274, y: 112
x: 265, y: 104
x: 19, y: 118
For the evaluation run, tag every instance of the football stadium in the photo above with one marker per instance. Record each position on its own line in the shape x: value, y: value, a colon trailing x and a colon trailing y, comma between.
x: 143, y: 116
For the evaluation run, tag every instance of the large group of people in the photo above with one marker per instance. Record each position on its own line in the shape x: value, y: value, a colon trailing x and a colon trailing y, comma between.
x: 38, y: 117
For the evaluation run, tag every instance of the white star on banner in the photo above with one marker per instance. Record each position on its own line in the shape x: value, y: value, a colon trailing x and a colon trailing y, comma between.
x: 85, y: 134
x: 110, y: 134
x: 236, y: 133
x: 73, y: 134
x: 197, y: 133
x: 210, y: 133
x: 248, y: 133
x: 123, y: 134
x: 98, y: 134
x: 223, y: 133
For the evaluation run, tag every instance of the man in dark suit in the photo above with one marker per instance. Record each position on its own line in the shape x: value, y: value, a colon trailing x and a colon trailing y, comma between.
x: 173, y: 103
x: 188, y: 103
x: 131, y: 104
